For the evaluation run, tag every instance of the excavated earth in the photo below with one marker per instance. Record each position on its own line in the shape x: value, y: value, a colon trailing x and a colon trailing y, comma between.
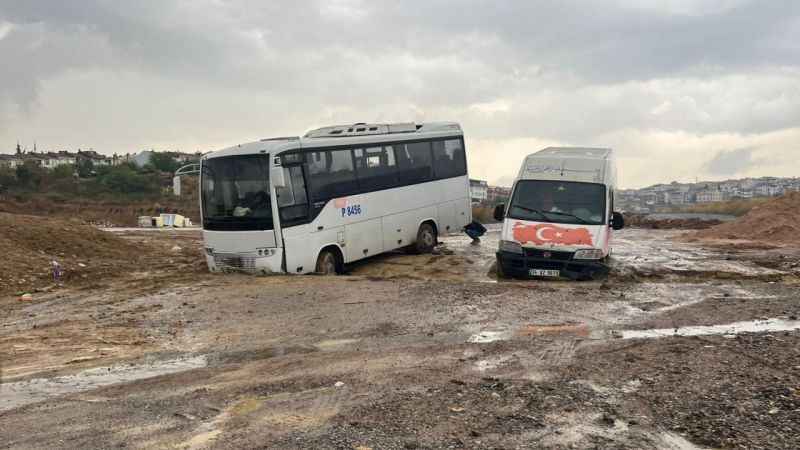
x: 685, y: 345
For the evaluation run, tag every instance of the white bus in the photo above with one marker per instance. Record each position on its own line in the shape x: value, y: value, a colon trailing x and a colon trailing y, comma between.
x: 334, y: 196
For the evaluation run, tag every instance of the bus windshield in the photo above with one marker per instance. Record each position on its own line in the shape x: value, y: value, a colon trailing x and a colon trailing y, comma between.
x: 236, y: 194
x: 559, y: 202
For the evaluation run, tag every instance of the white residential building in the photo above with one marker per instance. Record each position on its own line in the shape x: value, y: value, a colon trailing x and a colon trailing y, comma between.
x: 479, y: 190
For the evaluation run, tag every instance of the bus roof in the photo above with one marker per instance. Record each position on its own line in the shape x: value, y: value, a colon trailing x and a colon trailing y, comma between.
x: 342, y: 135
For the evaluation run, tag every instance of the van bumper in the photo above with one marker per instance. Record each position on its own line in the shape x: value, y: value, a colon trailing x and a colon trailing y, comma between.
x: 517, y: 265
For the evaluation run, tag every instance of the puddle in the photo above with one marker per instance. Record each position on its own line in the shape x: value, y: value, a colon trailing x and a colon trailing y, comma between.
x: 672, y: 441
x: 652, y: 298
x: 576, y: 329
x: 492, y: 363
x: 655, y: 251
x: 485, y: 337
x: 332, y: 344
x: 14, y: 395
x: 754, y: 326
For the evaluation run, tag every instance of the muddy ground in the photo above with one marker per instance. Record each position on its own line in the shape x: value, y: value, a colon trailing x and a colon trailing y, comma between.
x: 425, y: 351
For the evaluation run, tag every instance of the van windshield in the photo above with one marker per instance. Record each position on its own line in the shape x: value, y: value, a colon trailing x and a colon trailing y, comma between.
x: 235, y: 193
x: 559, y: 202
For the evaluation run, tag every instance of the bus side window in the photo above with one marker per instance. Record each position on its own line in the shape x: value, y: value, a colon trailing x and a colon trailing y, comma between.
x: 414, y: 163
x: 331, y: 174
x: 449, y: 159
x: 292, y: 199
x: 376, y: 168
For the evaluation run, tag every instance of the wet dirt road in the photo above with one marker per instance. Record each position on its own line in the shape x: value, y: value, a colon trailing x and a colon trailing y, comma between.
x: 681, y: 347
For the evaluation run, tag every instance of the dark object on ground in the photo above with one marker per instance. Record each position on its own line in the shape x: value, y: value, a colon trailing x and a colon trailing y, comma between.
x: 475, y: 230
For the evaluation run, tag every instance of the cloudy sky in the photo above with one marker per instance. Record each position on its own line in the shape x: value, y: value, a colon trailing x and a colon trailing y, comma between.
x: 680, y: 88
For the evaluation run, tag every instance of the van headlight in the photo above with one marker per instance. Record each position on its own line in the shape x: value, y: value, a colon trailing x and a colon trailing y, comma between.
x: 209, y: 251
x: 589, y: 253
x: 511, y: 247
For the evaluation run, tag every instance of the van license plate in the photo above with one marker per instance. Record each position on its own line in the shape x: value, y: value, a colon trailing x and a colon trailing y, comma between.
x: 545, y: 273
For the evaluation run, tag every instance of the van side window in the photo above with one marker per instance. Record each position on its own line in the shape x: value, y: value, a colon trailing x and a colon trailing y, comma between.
x: 414, y: 163
x: 331, y: 174
x: 376, y: 168
x: 449, y: 159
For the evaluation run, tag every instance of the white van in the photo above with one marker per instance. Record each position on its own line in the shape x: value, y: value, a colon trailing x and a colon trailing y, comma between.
x: 560, y: 215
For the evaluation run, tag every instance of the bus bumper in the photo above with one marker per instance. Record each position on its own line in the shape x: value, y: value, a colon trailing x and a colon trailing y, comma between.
x: 269, y: 261
x: 517, y: 265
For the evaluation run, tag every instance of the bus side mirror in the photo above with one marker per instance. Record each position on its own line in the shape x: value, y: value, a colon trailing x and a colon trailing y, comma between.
x: 499, y: 212
x: 617, y: 221
x: 276, y: 174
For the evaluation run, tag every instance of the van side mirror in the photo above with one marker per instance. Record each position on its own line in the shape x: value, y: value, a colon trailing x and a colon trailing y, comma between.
x: 499, y: 212
x: 277, y: 177
x: 617, y: 221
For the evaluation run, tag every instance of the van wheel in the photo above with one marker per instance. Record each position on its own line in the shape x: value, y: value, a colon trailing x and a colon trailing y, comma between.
x: 327, y: 263
x: 501, y: 274
x: 426, y: 239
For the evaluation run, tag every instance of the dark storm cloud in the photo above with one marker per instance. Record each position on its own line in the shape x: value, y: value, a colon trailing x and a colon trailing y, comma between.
x: 550, y: 70
x: 259, y: 43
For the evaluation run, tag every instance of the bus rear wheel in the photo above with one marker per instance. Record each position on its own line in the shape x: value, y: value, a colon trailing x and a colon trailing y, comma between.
x: 327, y: 263
x: 426, y: 239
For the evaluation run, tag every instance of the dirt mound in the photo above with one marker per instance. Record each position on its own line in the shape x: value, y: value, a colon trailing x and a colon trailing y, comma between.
x: 29, y: 245
x: 776, y: 221
x: 120, y: 213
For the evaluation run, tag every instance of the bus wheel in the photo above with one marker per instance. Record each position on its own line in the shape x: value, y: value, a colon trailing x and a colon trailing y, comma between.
x: 426, y: 239
x: 327, y: 263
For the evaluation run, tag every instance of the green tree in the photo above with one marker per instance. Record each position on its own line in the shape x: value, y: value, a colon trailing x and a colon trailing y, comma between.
x: 8, y: 179
x: 29, y: 175
x: 85, y: 167
x: 63, y: 171
x: 125, y: 180
x: 164, y: 162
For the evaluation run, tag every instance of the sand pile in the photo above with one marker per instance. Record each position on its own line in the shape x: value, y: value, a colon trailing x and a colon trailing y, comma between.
x: 29, y: 244
x: 775, y: 221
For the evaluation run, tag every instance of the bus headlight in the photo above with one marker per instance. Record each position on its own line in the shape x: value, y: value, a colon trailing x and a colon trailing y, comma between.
x: 265, y: 251
x: 511, y: 247
x: 589, y: 253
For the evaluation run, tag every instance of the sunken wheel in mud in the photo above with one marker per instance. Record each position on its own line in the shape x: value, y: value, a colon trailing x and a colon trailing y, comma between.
x: 328, y: 263
x: 501, y: 274
x: 426, y: 239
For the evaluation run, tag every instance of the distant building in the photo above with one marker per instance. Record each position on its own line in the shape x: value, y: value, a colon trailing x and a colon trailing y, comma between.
x: 497, y: 194
x: 96, y: 158
x: 142, y: 158
x: 677, y: 198
x: 478, y: 190
x: 710, y: 196
x: 11, y: 161
x: 51, y: 160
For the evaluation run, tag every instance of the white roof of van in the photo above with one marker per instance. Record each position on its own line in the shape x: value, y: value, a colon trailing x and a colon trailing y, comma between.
x: 574, y: 152
x: 582, y: 164
x: 337, y: 135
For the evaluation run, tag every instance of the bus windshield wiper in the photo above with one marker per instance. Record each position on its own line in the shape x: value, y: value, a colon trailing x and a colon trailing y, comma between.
x: 559, y: 213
